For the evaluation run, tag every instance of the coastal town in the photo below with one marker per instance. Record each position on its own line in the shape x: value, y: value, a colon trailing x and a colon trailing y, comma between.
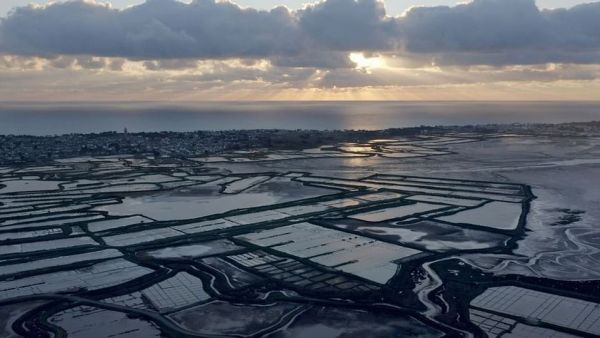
x: 23, y: 149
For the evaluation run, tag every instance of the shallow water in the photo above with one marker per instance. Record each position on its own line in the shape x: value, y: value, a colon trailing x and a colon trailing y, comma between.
x: 560, y: 241
x: 563, y: 174
x: 206, y: 200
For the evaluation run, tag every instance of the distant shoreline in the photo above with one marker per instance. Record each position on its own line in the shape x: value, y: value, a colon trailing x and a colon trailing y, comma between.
x: 26, y: 149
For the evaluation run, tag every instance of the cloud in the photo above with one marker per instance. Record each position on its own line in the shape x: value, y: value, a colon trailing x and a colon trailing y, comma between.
x: 116, y: 65
x: 349, y: 25
x: 481, y: 26
x: 315, y: 58
x: 482, y: 32
x: 241, y: 80
x: 88, y: 62
x: 500, y: 32
x: 170, y: 64
x: 457, y: 75
x: 157, y: 29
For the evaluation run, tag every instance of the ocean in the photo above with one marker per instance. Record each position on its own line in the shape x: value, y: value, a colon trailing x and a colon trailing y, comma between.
x: 65, y: 118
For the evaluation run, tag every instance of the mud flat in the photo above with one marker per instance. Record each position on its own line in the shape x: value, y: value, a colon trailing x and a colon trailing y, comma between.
x: 426, y: 236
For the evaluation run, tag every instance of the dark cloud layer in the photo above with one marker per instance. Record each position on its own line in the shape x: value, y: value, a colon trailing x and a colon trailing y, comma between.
x: 503, y: 32
x: 482, y: 32
x: 348, y: 25
x: 158, y: 29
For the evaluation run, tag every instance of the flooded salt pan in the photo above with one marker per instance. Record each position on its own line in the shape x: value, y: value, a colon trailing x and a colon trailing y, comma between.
x: 28, y: 185
x: 497, y: 215
x: 200, y: 201
x: 194, y: 250
x: 397, y: 212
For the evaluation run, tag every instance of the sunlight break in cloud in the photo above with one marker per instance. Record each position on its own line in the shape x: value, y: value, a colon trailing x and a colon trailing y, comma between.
x: 333, y: 43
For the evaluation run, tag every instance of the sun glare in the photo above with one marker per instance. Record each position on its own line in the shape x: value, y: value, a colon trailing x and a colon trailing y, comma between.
x: 364, y: 62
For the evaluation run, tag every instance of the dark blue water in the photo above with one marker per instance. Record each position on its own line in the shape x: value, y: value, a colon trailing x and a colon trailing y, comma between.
x: 62, y: 118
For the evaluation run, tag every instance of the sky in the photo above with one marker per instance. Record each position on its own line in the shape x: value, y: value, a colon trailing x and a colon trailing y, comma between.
x: 394, y: 7
x: 206, y: 50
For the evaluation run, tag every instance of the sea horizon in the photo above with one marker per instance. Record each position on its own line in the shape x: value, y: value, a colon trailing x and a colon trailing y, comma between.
x: 51, y: 118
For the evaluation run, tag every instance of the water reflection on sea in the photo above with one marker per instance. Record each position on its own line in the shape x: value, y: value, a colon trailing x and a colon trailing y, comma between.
x: 61, y: 118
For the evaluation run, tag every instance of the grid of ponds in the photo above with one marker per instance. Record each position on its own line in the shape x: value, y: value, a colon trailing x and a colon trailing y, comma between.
x: 173, y: 237
x: 298, y: 275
